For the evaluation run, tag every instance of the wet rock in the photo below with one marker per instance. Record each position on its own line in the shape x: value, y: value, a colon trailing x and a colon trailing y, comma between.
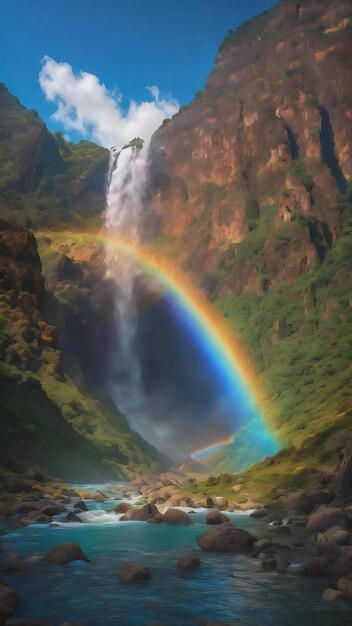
x: 262, y: 544
x: 53, y: 509
x: 5, y: 612
x: 174, y: 516
x: 277, y: 562
x: 140, y: 514
x: 81, y: 506
x: 28, y: 507
x: 122, y: 507
x: 38, y: 517
x: 331, y: 595
x: 279, y: 531
x: 226, y: 539
x: 65, y: 553
x: 335, y: 536
x: 325, y: 517
x: 72, y: 516
x: 99, y: 496
x: 133, y: 572
x: 277, y: 522
x: 8, y: 597
x: 259, y: 513
x: 14, y: 564
x: 344, y: 585
x: 306, y: 501
x: 188, y: 562
x: 216, y: 517
x: 156, y: 519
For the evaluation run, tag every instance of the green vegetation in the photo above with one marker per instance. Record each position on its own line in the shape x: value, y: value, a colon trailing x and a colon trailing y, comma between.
x: 299, y: 336
x: 43, y: 178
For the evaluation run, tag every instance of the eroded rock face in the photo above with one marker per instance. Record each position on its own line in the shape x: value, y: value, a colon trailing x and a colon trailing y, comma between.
x: 268, y: 131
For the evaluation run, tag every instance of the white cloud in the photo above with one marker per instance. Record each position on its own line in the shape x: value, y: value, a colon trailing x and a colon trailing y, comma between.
x: 88, y: 107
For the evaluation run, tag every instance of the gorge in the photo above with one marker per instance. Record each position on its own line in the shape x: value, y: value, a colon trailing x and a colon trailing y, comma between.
x: 176, y: 338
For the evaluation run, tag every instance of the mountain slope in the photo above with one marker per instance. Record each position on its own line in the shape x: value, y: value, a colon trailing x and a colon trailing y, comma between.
x: 43, y: 178
x: 251, y: 185
x: 46, y: 418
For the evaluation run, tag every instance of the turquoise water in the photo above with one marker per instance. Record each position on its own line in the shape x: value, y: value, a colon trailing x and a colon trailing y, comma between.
x: 225, y: 587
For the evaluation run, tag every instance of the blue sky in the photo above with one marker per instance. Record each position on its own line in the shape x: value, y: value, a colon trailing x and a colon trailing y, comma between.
x: 127, y: 45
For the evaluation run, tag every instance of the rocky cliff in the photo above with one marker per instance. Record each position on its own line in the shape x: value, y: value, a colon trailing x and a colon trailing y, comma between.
x: 250, y: 183
x: 46, y: 418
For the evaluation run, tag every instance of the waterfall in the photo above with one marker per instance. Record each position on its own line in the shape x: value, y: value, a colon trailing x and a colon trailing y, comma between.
x: 124, y: 204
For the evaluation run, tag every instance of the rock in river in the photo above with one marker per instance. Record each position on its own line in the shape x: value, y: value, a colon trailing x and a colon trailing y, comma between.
x: 65, y: 553
x: 133, y: 572
x: 175, y: 516
x: 226, y: 539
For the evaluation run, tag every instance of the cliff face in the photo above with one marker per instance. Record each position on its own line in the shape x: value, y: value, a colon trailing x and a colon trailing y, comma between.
x: 250, y: 184
x: 267, y: 141
x: 67, y: 430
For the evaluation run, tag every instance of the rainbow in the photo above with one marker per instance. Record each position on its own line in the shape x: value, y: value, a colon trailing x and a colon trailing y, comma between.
x: 208, y: 328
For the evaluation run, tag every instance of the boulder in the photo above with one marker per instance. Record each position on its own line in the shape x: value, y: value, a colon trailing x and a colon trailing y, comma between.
x: 122, y: 507
x: 216, y: 517
x: 38, y: 517
x: 81, y: 506
x: 8, y: 597
x: 260, y: 513
x: 277, y: 562
x: 5, y: 612
x: 220, y: 503
x: 140, y: 514
x: 188, y: 562
x: 65, y: 553
x: 28, y: 507
x: 53, y: 509
x: 72, y: 516
x: 306, y: 501
x: 325, y: 517
x: 331, y: 595
x: 175, y: 516
x: 226, y: 539
x: 99, y: 496
x: 344, y: 585
x: 336, y: 536
x: 262, y: 544
x: 133, y: 572
x: 156, y: 519
x: 14, y: 564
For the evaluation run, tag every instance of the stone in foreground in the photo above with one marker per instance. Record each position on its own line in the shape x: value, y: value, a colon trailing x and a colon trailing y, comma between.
x: 215, y: 517
x: 65, y: 553
x: 175, y: 516
x: 188, y: 562
x: 133, y: 572
x: 226, y: 539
